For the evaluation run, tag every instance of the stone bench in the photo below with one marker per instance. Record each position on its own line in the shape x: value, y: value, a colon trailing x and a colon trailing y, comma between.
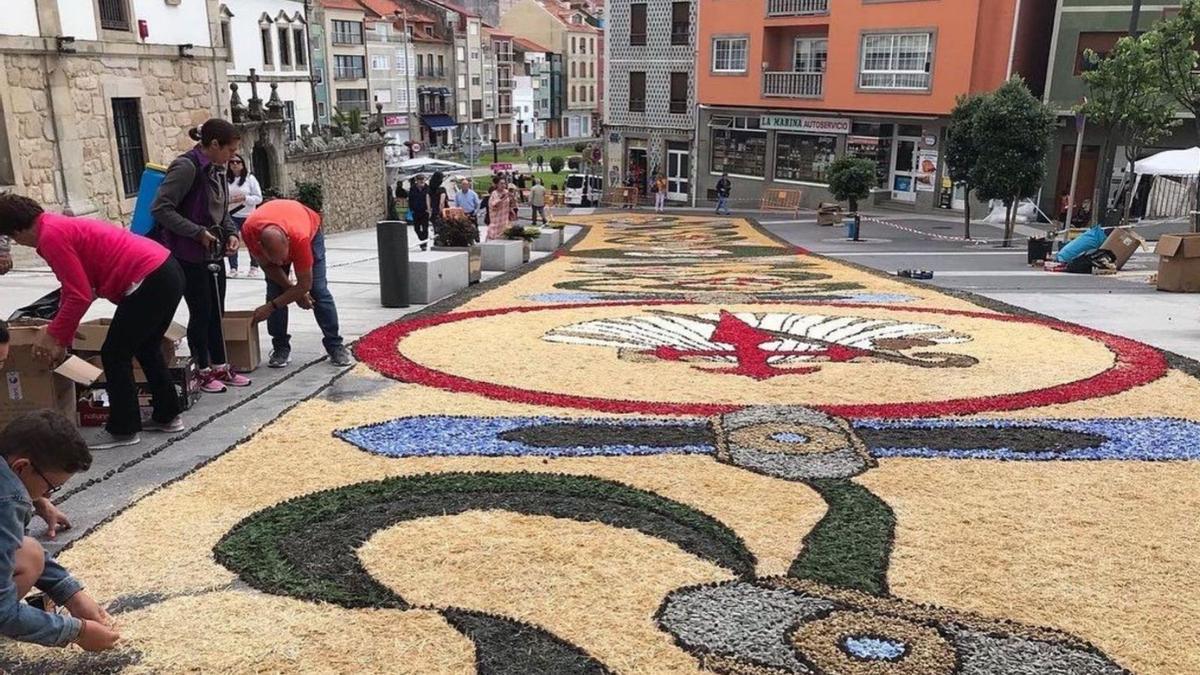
x: 550, y: 239
x: 432, y: 275
x: 502, y: 255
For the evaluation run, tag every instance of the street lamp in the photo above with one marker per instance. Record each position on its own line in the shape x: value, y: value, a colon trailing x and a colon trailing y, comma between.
x: 495, y: 151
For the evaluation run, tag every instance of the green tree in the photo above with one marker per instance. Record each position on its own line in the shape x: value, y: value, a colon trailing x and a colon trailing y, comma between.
x: 851, y: 179
x: 963, y: 150
x: 1127, y: 98
x: 556, y: 164
x: 1013, y: 131
x: 1173, y: 42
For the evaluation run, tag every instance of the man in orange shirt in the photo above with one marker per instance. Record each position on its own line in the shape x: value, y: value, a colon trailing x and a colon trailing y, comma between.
x: 283, y: 234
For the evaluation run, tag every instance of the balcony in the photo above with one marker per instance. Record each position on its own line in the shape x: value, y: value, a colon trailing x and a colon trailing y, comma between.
x: 349, y: 74
x: 797, y: 7
x: 793, y: 85
x: 505, y: 84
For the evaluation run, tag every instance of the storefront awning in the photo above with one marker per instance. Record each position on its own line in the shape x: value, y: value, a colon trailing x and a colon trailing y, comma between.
x: 439, y: 122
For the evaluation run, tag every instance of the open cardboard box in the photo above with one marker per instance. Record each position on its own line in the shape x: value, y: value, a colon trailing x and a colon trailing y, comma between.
x: 1179, y: 262
x: 242, y: 344
x: 90, y: 336
x: 30, y: 384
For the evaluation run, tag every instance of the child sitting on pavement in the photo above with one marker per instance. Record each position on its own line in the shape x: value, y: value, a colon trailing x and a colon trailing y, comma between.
x: 41, y: 451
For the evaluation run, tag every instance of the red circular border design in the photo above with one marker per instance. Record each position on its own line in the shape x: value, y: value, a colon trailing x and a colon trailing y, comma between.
x: 1136, y: 364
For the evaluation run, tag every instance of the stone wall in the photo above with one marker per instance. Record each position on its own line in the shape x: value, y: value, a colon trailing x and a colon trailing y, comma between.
x: 351, y: 174
x: 174, y: 93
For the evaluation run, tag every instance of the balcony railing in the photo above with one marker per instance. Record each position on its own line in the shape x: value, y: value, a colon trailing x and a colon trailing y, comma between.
x: 793, y: 85
x: 349, y: 74
x: 797, y: 7
x: 505, y: 84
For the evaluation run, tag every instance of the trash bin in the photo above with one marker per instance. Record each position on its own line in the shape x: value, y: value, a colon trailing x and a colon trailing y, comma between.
x: 391, y: 237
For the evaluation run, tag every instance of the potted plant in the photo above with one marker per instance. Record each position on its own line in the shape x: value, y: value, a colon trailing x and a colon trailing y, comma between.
x: 526, y: 234
x: 458, y: 233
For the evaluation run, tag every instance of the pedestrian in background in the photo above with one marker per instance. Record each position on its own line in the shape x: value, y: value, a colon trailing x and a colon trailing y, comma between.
x: 439, y: 200
x: 244, y: 195
x: 467, y: 199
x: 660, y: 193
x: 499, y: 210
x: 537, y: 202
x: 191, y: 214
x: 724, y: 189
x: 418, y: 205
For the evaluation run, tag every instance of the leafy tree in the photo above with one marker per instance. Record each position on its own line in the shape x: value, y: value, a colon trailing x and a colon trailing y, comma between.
x: 1013, y: 130
x: 1173, y: 41
x: 556, y: 164
x: 851, y: 179
x: 962, y: 149
x: 1127, y: 98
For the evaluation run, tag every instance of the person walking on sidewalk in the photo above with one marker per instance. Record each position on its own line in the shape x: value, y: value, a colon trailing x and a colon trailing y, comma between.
x: 467, y: 199
x: 537, y: 202
x: 92, y: 258
x: 724, y: 188
x: 660, y: 193
x: 244, y: 195
x: 500, y: 204
x: 285, y: 234
x: 191, y: 214
x: 418, y: 205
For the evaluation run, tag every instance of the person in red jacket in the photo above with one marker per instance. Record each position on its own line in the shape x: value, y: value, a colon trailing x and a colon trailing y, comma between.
x: 92, y: 258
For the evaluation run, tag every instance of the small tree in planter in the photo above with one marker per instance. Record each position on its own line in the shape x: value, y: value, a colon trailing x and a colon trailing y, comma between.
x: 526, y: 234
x: 851, y: 179
x: 460, y: 234
x: 556, y: 164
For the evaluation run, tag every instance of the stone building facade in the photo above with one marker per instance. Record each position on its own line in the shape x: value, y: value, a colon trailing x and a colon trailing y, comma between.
x: 650, y: 101
x: 80, y: 118
x: 351, y: 173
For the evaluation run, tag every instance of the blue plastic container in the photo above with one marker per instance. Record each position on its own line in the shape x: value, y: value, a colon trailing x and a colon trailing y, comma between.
x: 152, y: 177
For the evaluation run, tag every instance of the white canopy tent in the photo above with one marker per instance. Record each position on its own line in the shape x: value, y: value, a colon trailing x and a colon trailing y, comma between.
x: 1174, y: 174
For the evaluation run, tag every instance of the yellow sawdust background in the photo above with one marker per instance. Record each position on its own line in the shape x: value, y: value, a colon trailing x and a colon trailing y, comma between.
x: 1104, y: 550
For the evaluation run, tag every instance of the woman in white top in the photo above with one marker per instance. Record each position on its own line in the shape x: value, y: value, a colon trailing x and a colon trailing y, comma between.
x: 244, y: 195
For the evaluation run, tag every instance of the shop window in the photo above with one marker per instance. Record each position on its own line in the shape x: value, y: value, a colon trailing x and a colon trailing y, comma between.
x: 804, y: 157
x: 740, y: 148
x: 872, y: 142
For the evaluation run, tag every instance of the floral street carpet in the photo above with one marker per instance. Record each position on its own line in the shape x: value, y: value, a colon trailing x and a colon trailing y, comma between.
x: 681, y: 446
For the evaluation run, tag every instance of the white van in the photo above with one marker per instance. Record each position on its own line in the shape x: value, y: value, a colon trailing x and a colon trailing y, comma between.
x: 583, y: 190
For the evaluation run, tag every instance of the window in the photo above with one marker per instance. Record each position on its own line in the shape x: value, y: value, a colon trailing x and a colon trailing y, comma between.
x: 740, y: 147
x: 637, y: 23
x: 289, y: 113
x: 301, y: 46
x: 382, y: 96
x: 573, y: 44
x: 474, y: 80
x: 681, y: 23
x: 352, y: 99
x: 226, y: 41
x: 267, y: 49
x: 811, y: 54
x: 347, y: 32
x: 573, y: 64
x: 472, y: 28
x: 114, y: 15
x: 729, y: 55
x: 420, y: 65
x: 441, y: 69
x: 462, y: 108
x: 637, y: 92
x: 127, y: 122
x: 896, y: 61
x: 285, y: 47
x: 1099, y: 42
x: 679, y: 93
x: 477, y: 109
x: 462, y: 81
x: 592, y: 93
x: 379, y: 62
x: 573, y: 93
x: 348, y: 67
x: 462, y: 54
x: 804, y: 157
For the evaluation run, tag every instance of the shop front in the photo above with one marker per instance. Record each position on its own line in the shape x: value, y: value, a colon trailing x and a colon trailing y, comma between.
x: 767, y: 150
x: 634, y: 156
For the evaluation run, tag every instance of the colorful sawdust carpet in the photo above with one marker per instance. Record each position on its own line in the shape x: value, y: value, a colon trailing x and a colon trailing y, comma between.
x: 682, y: 446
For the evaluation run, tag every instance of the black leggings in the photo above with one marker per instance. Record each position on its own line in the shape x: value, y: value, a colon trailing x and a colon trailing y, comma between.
x: 205, y: 305
x: 421, y: 226
x: 137, y: 330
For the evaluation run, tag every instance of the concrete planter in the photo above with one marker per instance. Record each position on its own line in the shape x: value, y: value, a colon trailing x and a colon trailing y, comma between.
x: 501, y: 255
x: 525, y: 250
x: 550, y: 239
x: 433, y: 275
x: 474, y: 260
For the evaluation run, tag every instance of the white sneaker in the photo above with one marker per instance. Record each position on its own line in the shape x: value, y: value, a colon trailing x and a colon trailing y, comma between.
x: 109, y: 441
x: 172, y: 427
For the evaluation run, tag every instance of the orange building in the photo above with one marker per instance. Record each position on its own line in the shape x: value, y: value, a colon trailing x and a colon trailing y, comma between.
x: 786, y: 86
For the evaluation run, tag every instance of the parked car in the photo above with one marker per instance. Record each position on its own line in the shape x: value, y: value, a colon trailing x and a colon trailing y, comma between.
x: 583, y: 190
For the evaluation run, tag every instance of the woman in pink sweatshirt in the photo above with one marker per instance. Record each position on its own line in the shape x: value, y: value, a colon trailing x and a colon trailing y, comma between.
x: 91, y: 259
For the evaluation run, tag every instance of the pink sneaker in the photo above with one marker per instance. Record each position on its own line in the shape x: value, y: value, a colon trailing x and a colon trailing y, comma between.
x: 209, y: 383
x: 226, y: 375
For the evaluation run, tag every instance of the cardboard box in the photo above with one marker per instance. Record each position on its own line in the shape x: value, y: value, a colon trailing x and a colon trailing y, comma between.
x: 1123, y: 242
x: 28, y: 384
x: 242, y: 345
x: 93, y: 410
x: 182, y: 373
x: 90, y: 336
x: 1179, y: 262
